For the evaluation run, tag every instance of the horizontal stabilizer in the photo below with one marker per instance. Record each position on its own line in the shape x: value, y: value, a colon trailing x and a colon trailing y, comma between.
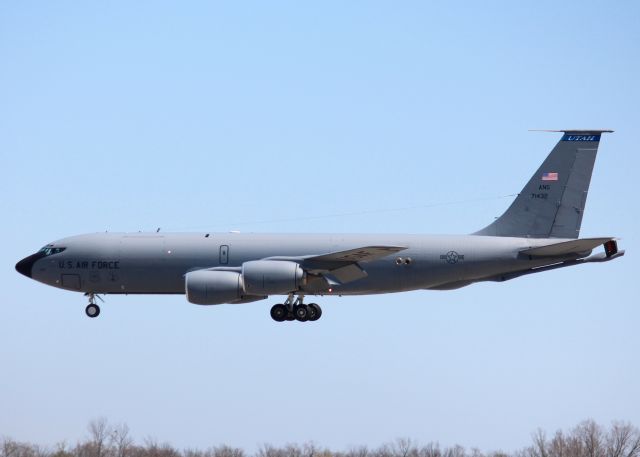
x: 566, y: 247
x: 600, y: 257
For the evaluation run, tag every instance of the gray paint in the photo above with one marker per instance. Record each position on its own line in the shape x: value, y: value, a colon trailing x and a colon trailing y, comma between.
x: 553, y: 208
x: 157, y: 263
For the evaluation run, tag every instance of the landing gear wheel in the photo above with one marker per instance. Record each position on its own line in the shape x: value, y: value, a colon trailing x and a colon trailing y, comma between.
x: 279, y: 312
x: 301, y: 313
x: 92, y: 310
x: 315, y: 312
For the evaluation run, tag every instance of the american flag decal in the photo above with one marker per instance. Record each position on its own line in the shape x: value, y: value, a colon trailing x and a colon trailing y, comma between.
x: 549, y: 176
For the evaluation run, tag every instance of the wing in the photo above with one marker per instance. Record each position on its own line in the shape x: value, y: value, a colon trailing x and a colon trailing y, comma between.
x: 364, y: 254
x: 342, y: 266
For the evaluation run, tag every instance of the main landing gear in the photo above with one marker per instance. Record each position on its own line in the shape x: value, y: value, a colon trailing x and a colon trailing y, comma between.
x: 92, y: 309
x: 295, y: 309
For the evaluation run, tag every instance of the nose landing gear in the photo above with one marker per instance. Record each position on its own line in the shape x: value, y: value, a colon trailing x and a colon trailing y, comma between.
x: 93, y: 310
x: 295, y: 309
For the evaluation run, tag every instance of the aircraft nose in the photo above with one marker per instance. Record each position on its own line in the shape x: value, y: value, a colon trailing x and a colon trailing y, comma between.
x: 25, y: 265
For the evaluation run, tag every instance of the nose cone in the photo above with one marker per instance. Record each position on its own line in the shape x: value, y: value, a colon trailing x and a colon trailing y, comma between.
x: 25, y: 265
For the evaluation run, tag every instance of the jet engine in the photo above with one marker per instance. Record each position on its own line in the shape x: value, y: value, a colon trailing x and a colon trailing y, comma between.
x: 268, y: 277
x: 205, y: 287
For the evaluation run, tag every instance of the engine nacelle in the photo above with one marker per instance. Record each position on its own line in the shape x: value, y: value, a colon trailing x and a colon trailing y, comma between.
x: 267, y: 277
x: 205, y: 287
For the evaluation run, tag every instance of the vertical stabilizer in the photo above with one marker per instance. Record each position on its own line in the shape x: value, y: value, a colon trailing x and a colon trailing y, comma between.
x: 552, y: 203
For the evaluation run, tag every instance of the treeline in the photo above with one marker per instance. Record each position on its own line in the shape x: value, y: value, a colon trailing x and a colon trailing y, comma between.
x: 588, y: 439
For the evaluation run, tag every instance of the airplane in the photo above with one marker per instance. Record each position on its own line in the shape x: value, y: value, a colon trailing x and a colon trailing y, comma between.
x: 538, y: 232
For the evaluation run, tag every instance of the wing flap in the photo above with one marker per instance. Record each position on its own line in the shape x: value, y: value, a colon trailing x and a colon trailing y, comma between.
x: 566, y: 247
x: 348, y: 273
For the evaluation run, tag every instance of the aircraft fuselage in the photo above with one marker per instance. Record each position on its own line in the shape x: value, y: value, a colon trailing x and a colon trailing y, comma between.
x: 156, y: 263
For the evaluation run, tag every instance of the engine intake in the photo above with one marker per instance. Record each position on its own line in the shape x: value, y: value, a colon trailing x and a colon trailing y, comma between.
x: 267, y: 277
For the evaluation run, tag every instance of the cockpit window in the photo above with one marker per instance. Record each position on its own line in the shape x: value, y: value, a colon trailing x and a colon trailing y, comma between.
x: 48, y: 250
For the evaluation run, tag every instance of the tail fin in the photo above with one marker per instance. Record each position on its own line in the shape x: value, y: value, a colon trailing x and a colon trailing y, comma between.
x: 552, y: 203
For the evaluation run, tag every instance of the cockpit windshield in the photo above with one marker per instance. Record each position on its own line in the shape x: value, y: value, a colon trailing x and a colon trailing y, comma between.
x: 49, y: 250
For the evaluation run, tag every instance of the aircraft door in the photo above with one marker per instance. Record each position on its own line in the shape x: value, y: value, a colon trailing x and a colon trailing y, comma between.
x: 71, y: 282
x: 224, y: 254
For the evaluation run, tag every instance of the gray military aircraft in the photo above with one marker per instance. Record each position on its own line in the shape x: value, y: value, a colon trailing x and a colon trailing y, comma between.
x: 538, y: 232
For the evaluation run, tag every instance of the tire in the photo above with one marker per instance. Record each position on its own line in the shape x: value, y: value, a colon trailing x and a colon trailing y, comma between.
x: 315, y: 312
x: 279, y: 312
x: 92, y: 310
x: 311, y: 313
x: 301, y: 313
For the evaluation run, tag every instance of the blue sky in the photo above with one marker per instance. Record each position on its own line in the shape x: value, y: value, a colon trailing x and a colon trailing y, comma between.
x: 128, y: 116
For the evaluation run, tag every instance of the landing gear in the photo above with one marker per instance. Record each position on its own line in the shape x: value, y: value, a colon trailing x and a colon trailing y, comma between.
x: 315, y: 312
x: 92, y: 309
x: 300, y: 311
x: 295, y: 309
x: 279, y: 313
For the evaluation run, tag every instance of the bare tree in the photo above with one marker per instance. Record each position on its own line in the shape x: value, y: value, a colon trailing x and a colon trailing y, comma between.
x: 623, y: 440
x: 153, y: 449
x: 383, y: 451
x: 11, y: 448
x: 360, y: 451
x: 557, y: 447
x: 404, y: 447
x: 590, y: 434
x: 61, y: 450
x: 268, y: 450
x: 226, y: 451
x: 588, y: 439
x: 431, y: 450
x: 121, y: 440
x: 539, y: 448
x: 455, y: 451
x: 99, y: 435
